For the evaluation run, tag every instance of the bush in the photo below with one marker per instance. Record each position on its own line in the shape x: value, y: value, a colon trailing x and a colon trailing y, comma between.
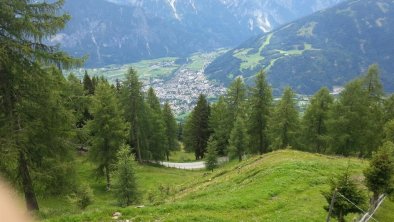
x: 82, y: 197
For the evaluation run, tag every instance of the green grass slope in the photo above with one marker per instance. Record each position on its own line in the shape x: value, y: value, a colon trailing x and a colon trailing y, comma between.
x: 327, y: 48
x: 279, y: 186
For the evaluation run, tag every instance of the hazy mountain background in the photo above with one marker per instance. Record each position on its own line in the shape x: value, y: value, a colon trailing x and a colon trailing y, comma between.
x: 124, y: 31
x: 327, y: 48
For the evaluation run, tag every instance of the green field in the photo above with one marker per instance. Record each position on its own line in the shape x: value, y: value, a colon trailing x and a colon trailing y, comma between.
x: 279, y: 186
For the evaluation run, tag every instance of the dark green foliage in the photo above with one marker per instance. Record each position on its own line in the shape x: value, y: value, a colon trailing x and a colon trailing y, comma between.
x: 88, y: 85
x: 345, y: 186
x: 284, y: 123
x: 107, y: 129
x: 211, y: 161
x: 389, y: 131
x: 239, y: 139
x: 389, y: 108
x: 219, y: 122
x: 235, y: 98
x: 135, y: 114
x: 170, y: 130
x: 379, y: 176
x: 196, y: 132
x: 356, y: 118
x: 126, y: 190
x: 260, y: 105
x: 315, y: 130
x: 82, y: 197
x: 156, y: 131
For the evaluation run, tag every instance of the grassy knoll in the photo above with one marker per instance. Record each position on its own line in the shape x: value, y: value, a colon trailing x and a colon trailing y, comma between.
x: 279, y: 186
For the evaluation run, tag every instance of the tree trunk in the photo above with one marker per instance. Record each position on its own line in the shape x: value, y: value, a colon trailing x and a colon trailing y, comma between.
x: 375, y: 198
x: 340, y: 217
x: 27, y: 184
x: 108, y: 188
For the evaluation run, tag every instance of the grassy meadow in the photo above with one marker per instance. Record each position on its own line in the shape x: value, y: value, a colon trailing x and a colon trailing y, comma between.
x: 279, y: 186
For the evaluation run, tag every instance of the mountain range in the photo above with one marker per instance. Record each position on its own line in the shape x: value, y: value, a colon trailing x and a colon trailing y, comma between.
x: 326, y: 48
x: 124, y: 31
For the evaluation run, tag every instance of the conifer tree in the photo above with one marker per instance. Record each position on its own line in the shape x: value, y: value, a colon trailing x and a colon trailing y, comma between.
x: 135, y: 114
x: 260, y: 105
x: 356, y: 121
x: 170, y: 130
x: 219, y: 124
x: 235, y: 98
x: 211, y: 161
x: 345, y: 186
x: 284, y: 123
x: 379, y: 175
x: 315, y: 130
x: 126, y: 190
x: 28, y: 90
x: 88, y: 85
x: 239, y: 139
x: 388, y: 108
x: 107, y: 129
x: 389, y: 131
x: 156, y: 127
x: 197, y: 128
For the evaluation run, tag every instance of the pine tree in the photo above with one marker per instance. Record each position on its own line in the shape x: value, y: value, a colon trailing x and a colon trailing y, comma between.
x: 315, y: 131
x: 348, y: 188
x: 356, y: 120
x: 219, y: 122
x: 197, y: 128
x: 134, y: 107
x: 260, y: 105
x: 125, y: 182
x: 107, y: 129
x: 284, y: 124
x: 211, y: 161
x: 239, y: 139
x: 389, y: 131
x: 171, y: 130
x: 379, y: 175
x: 388, y: 108
x: 156, y: 127
x: 29, y: 90
x: 235, y: 98
x: 88, y: 85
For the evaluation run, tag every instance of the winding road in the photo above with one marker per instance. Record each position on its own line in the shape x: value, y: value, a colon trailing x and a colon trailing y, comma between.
x: 190, y: 165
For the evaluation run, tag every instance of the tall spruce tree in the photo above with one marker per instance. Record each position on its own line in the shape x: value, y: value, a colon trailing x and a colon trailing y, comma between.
x: 239, y: 139
x: 156, y: 127
x: 315, y: 131
x: 170, y: 130
x: 260, y: 105
x: 197, y: 128
x: 379, y: 176
x: 28, y: 90
x: 284, y: 123
x: 133, y: 103
x: 235, y: 98
x: 107, y: 129
x: 219, y: 124
x: 88, y: 85
x: 356, y: 119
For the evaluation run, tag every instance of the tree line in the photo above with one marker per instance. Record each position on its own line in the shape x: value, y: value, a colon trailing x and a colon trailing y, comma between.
x: 45, y: 116
x: 246, y: 120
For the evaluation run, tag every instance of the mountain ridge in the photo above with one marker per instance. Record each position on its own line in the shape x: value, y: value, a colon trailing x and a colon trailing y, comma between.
x: 327, y: 48
x: 124, y: 31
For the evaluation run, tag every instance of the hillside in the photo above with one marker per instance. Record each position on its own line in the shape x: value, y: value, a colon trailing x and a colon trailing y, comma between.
x: 280, y: 186
x: 123, y: 31
x: 327, y: 48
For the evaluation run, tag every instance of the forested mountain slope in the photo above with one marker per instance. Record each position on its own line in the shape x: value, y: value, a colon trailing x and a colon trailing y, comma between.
x: 327, y: 48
